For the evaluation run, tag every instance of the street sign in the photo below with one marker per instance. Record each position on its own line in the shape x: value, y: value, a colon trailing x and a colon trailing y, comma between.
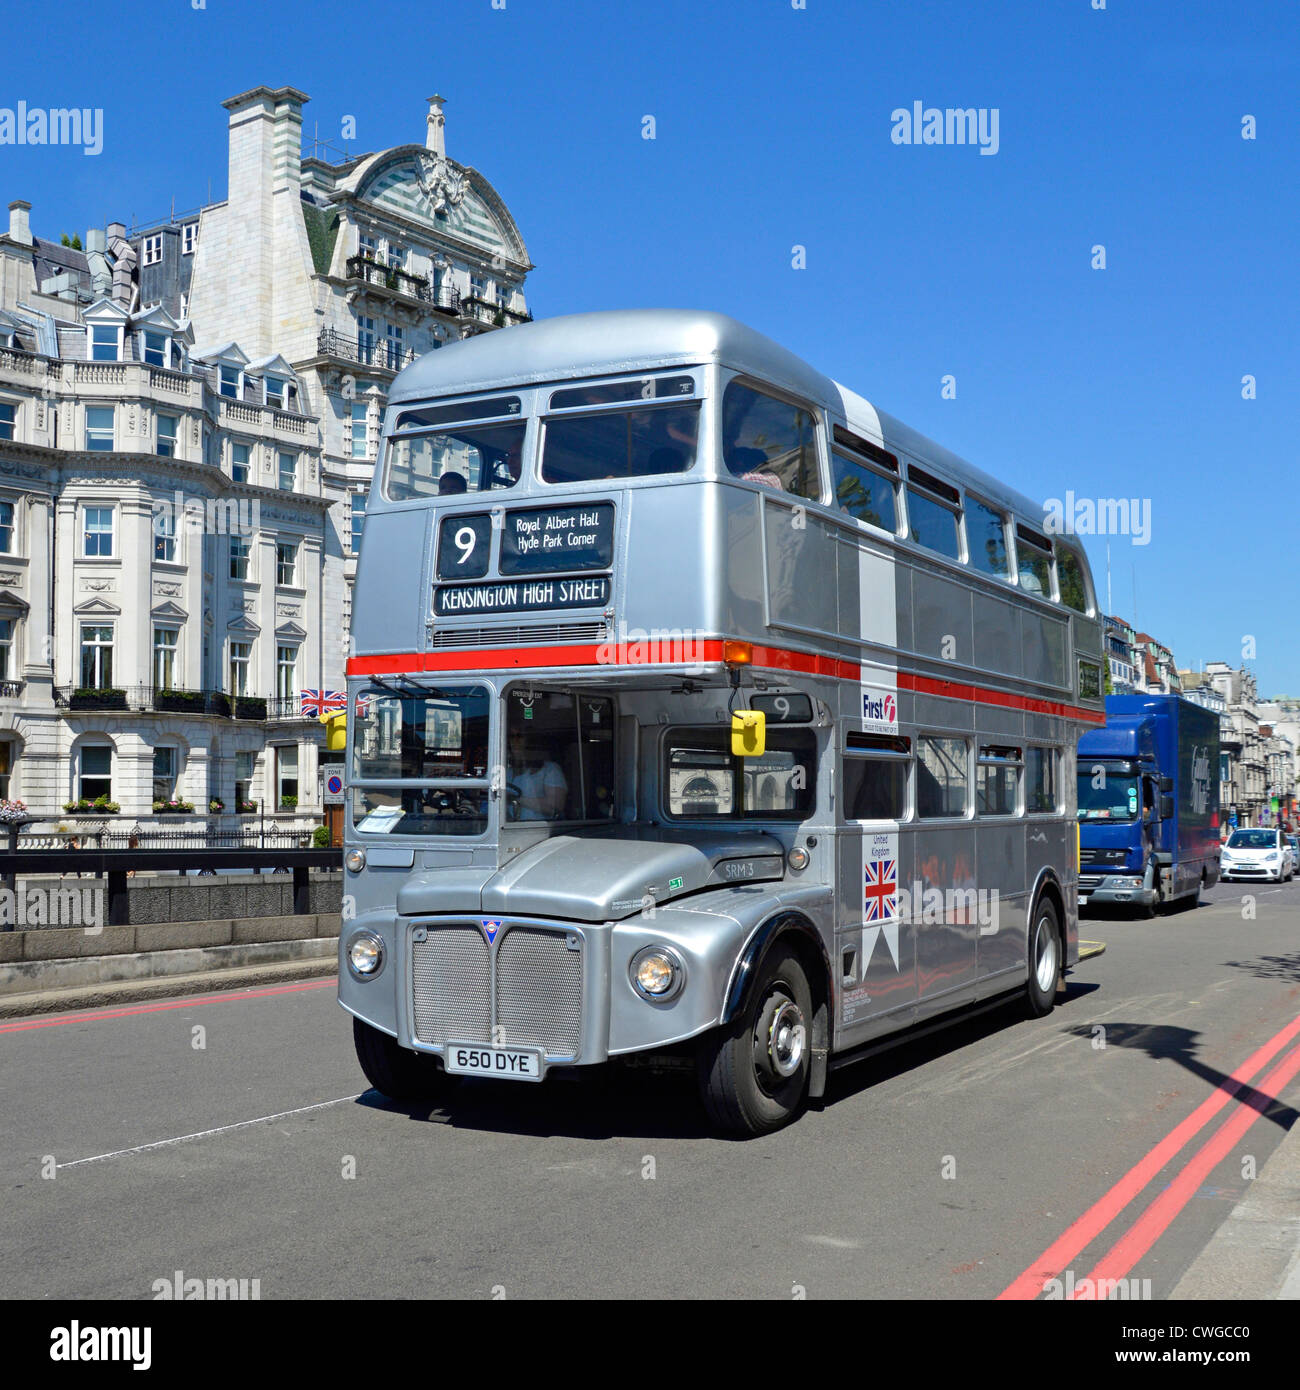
x: 331, y: 788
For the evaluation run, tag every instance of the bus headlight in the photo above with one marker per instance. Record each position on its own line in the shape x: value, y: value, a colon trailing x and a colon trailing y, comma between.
x: 356, y: 860
x: 657, y: 973
x: 798, y: 858
x: 365, y: 955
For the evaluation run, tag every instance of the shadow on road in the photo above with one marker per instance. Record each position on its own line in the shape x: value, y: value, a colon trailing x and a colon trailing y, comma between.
x: 1270, y: 967
x: 1180, y: 1045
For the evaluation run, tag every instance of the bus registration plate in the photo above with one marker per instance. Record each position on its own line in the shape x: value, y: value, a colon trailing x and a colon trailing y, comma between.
x: 505, y: 1063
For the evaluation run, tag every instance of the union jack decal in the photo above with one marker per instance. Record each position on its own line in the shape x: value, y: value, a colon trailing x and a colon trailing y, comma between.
x: 880, y: 890
x: 363, y: 705
x: 320, y: 702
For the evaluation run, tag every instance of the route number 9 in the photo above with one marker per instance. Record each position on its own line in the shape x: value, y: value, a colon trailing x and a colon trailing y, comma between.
x: 463, y: 545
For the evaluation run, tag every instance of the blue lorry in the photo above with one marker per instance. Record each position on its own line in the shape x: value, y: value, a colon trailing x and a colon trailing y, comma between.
x: 1148, y: 803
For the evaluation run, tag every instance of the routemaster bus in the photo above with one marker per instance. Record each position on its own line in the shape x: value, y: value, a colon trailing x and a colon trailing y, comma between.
x: 698, y: 709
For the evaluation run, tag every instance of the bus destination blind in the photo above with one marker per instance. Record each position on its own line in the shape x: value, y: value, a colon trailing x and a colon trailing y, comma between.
x: 520, y: 596
x: 558, y: 539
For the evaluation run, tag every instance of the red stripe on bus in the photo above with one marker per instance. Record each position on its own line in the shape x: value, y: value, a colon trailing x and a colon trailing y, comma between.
x: 1090, y: 1225
x: 956, y: 690
x: 698, y: 651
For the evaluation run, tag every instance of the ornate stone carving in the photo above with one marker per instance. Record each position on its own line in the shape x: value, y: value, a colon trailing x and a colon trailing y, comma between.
x: 441, y: 182
x: 166, y: 590
x: 9, y: 580
x: 288, y: 610
x: 99, y: 586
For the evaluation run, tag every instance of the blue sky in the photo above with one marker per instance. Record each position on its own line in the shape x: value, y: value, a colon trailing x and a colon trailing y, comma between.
x: 1119, y: 127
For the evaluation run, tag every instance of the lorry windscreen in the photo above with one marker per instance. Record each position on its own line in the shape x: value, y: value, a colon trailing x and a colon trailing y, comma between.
x: 1117, y: 798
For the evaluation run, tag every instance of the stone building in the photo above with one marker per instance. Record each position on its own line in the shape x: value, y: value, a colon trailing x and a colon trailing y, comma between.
x: 163, y: 552
x: 350, y: 269
x: 189, y: 421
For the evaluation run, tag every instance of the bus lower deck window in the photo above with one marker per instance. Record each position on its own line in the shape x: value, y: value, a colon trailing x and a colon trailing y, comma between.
x: 704, y: 780
x: 942, y: 777
x: 1040, y: 780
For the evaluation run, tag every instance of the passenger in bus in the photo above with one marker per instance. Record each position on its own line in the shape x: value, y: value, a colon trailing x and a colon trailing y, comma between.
x: 452, y: 483
x: 750, y: 466
x: 543, y: 787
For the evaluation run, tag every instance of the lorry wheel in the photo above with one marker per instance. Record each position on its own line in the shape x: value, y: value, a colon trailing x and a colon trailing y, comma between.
x: 1044, y: 959
x: 395, y: 1072
x: 753, y: 1073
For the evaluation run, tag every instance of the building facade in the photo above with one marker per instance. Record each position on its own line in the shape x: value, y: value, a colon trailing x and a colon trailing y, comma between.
x: 163, y: 555
x: 351, y: 269
x: 189, y: 422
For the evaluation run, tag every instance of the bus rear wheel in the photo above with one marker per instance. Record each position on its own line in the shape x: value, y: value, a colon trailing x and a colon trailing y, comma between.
x: 1044, y: 959
x: 394, y: 1071
x: 753, y: 1075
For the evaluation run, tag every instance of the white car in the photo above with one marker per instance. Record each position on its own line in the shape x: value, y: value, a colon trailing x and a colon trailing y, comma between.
x: 1260, y: 853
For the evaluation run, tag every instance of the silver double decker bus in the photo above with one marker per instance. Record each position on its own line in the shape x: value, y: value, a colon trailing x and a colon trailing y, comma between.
x: 697, y: 708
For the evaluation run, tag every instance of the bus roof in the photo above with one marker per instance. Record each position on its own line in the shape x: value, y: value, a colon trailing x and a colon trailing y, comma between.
x: 610, y: 342
x: 603, y: 344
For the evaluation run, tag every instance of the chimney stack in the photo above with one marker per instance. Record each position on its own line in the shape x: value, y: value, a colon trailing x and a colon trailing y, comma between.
x: 435, y: 140
x: 19, y: 227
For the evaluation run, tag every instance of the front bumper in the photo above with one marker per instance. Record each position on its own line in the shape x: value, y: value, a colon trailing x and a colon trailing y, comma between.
x: 1118, y: 890
x: 561, y: 988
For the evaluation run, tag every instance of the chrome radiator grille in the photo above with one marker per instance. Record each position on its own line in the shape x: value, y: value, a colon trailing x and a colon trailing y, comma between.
x: 533, y: 998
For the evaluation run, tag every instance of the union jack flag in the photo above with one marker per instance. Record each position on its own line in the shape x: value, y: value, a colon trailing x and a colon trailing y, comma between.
x: 880, y: 890
x: 363, y: 705
x: 320, y: 702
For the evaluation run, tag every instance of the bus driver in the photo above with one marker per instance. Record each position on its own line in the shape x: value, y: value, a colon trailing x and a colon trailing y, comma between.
x: 541, y: 782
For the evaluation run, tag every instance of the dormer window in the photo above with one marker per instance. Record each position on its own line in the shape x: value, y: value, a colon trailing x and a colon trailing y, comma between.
x: 276, y: 391
x: 105, y: 343
x: 230, y: 382
x: 189, y: 238
x: 156, y: 348
x: 152, y: 250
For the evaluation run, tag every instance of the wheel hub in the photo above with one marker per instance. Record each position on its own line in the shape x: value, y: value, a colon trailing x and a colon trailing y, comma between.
x: 786, y: 1038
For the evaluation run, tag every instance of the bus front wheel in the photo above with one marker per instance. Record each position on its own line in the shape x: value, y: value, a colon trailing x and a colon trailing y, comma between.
x: 393, y: 1071
x: 753, y: 1074
x: 1044, y: 959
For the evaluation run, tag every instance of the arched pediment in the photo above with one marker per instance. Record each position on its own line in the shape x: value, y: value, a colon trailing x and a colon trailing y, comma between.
x: 416, y: 184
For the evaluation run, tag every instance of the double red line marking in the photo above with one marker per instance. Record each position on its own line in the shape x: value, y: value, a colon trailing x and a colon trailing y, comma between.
x: 1160, y: 1214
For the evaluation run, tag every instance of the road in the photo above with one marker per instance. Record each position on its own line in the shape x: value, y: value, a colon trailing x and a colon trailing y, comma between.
x: 250, y: 1149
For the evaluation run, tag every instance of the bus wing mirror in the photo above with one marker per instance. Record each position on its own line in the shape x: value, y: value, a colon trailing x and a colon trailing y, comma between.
x: 748, y: 733
x: 336, y: 731
x: 1166, y: 808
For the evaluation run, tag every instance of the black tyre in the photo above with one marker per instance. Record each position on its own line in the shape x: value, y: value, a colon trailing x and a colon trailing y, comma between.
x: 1045, y: 959
x: 753, y: 1074
x: 393, y: 1071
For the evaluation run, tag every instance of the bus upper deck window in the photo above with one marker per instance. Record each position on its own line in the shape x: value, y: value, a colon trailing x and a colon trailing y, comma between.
x: 638, y: 442
x: 1069, y: 574
x: 986, y: 535
x: 932, y: 514
x: 864, y: 493
x: 458, y: 459
x: 770, y: 441
x: 1034, y: 557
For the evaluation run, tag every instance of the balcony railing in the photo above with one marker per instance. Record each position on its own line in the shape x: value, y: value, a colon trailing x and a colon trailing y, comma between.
x: 381, y: 355
x: 149, y: 699
x: 474, y: 306
x: 27, y: 363
x: 371, y: 272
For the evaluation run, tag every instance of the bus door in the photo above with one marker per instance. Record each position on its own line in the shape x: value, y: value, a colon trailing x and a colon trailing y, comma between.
x: 876, y: 945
